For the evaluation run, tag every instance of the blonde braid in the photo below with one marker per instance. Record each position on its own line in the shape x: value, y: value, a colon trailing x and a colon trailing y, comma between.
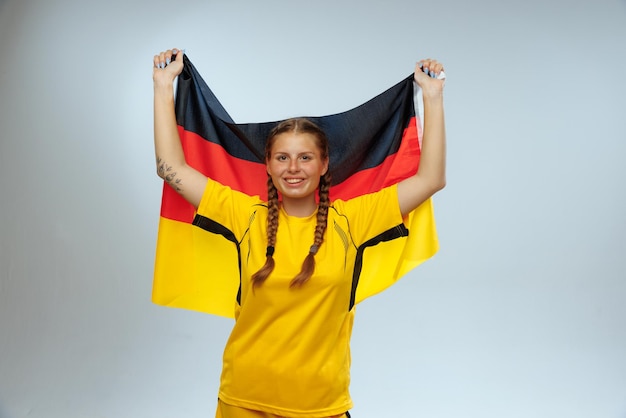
x: 272, y: 226
x: 308, y: 266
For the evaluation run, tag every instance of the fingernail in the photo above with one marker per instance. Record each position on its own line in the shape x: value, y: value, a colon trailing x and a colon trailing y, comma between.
x: 161, y: 65
x: 426, y: 70
x: 174, y: 51
x: 167, y: 61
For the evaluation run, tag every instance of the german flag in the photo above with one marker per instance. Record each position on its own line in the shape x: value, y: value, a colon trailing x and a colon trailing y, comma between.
x: 371, y: 146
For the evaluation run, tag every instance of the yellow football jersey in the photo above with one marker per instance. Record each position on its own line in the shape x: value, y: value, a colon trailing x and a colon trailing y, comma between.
x: 289, y: 351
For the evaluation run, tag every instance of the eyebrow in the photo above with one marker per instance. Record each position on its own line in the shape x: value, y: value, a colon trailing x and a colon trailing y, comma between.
x: 288, y: 153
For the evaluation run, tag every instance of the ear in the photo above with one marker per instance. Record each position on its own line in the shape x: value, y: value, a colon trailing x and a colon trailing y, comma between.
x: 325, y: 167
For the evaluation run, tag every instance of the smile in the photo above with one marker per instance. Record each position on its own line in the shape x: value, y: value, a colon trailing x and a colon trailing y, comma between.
x: 293, y: 181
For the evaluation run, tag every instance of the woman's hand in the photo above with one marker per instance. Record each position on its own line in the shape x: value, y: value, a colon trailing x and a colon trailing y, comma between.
x: 165, y: 69
x: 426, y: 73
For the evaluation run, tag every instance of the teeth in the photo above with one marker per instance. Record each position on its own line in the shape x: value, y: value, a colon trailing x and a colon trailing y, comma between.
x: 293, y: 181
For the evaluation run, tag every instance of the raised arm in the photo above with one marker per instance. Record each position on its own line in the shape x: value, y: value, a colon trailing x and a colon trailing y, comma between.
x: 170, y: 160
x: 431, y: 175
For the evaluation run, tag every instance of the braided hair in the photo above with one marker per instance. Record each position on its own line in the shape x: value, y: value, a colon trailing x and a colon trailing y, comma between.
x: 295, y: 125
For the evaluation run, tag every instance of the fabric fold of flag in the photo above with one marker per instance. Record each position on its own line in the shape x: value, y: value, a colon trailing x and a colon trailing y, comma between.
x: 371, y: 146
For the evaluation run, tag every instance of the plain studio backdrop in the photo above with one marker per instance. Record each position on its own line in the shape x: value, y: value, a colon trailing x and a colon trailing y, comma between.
x: 522, y: 313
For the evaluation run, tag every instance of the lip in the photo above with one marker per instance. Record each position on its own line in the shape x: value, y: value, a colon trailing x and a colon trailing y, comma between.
x: 293, y: 181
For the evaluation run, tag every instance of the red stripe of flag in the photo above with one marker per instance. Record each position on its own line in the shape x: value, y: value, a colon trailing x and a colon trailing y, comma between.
x: 213, y: 161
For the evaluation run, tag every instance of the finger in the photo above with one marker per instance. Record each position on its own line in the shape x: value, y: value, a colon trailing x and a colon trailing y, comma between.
x: 177, y: 54
x: 423, y: 67
x: 434, y: 67
x: 161, y: 60
x: 418, y: 66
x: 166, y: 58
x: 437, y: 67
x: 428, y: 67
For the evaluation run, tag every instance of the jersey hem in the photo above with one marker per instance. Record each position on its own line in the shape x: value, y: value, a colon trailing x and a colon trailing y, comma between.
x: 290, y: 413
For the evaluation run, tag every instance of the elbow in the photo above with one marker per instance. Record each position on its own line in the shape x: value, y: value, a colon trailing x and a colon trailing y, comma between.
x: 160, y: 170
x: 160, y: 167
x: 437, y: 184
x: 166, y: 170
x: 441, y: 184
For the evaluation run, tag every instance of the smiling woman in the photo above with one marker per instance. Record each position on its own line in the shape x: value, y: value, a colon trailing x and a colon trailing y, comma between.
x: 297, y: 157
x: 289, y: 351
x: 296, y: 154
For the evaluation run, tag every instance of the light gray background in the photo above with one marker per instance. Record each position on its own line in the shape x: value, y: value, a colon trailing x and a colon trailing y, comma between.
x: 521, y: 314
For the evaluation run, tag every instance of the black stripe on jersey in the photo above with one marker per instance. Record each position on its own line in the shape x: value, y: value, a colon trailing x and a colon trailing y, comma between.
x: 398, y: 231
x: 210, y: 225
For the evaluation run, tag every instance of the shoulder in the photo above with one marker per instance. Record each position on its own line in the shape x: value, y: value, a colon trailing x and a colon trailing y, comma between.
x: 218, y: 197
x: 387, y: 195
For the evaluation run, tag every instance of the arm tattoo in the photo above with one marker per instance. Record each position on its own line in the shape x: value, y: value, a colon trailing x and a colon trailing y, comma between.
x: 166, y: 173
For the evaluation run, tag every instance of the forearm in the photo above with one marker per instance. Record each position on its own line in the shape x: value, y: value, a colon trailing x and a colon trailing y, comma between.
x: 167, y: 146
x: 170, y: 159
x: 432, y: 167
x: 431, y: 173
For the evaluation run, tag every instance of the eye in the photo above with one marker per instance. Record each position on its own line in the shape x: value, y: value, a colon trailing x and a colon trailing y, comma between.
x: 305, y: 157
x: 281, y: 157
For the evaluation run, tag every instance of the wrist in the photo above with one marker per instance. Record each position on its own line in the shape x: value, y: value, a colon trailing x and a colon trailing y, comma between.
x: 163, y: 90
x: 163, y: 84
x: 433, y: 98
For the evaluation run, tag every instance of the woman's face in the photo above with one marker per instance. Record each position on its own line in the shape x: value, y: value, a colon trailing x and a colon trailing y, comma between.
x: 296, y: 165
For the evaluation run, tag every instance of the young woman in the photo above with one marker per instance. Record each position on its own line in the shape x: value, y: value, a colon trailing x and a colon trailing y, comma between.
x: 288, y: 354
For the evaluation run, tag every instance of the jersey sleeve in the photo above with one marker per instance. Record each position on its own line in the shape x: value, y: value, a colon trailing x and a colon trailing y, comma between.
x: 371, y: 214
x: 227, y: 207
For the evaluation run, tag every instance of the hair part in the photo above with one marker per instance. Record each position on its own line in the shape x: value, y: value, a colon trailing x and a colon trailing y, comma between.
x: 298, y: 126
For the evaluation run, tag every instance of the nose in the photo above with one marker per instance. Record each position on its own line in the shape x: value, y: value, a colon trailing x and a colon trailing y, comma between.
x: 293, y: 165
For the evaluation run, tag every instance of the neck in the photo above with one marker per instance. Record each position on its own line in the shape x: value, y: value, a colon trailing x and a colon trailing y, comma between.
x: 300, y: 208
